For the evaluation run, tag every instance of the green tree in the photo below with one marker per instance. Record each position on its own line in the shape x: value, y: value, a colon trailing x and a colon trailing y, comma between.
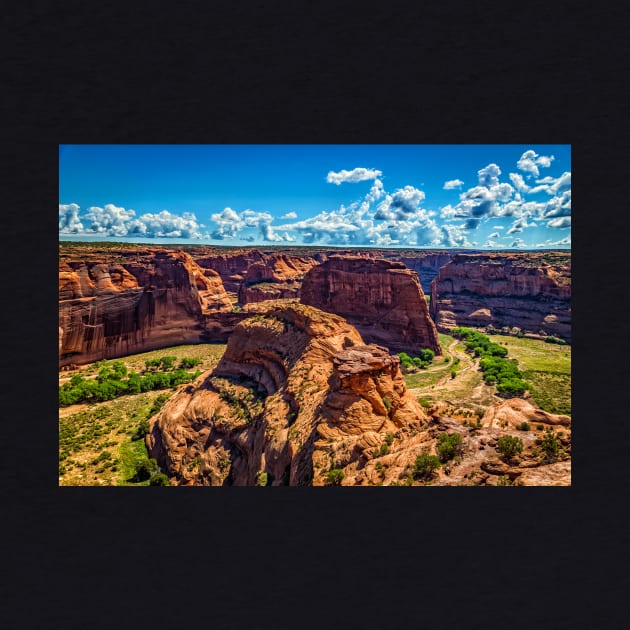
x: 425, y: 465
x: 334, y: 477
x: 509, y: 445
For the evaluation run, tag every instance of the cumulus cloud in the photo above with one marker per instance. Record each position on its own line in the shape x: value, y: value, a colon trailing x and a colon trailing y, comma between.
x: 494, y: 235
x: 355, y: 175
x: 563, y: 242
x: 165, y: 224
x: 400, y: 206
x: 230, y: 223
x: 519, y: 225
x: 289, y: 215
x: 110, y: 220
x: 498, y: 227
x: 519, y: 182
x: 530, y: 161
x: 453, y: 236
x: 518, y: 242
x: 453, y: 183
x: 489, y: 175
x: 560, y: 222
x: 69, y: 222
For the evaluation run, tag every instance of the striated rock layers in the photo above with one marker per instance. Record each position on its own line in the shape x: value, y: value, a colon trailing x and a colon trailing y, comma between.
x: 113, y: 309
x: 531, y: 291
x: 279, y: 276
x: 382, y: 299
x: 296, y: 395
x: 232, y: 266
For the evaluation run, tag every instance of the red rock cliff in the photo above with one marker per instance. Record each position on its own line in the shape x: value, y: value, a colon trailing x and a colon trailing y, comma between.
x: 382, y: 299
x: 296, y: 394
x: 531, y: 291
x: 113, y: 309
x: 280, y: 276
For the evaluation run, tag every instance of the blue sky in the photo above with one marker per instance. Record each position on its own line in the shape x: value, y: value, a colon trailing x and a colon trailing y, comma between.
x: 426, y: 196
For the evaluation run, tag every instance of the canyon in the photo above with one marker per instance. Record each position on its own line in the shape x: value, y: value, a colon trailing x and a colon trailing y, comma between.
x: 309, y: 390
x: 504, y: 290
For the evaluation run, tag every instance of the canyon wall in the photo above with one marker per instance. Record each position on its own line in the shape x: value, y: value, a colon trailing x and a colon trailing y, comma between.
x: 279, y: 276
x: 382, y: 299
x: 145, y: 302
x: 530, y: 291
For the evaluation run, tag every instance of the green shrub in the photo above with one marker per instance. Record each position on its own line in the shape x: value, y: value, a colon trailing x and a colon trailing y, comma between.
x: 550, y: 444
x: 508, y: 446
x: 449, y: 446
x: 261, y: 478
x: 388, y: 405
x: 145, y: 469
x: 334, y: 477
x: 389, y: 438
x: 159, y: 479
x: 425, y: 465
x: 187, y: 363
x: 523, y: 426
x: 453, y: 373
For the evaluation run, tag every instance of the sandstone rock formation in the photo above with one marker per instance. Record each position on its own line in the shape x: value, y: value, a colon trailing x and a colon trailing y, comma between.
x: 530, y: 291
x: 278, y: 277
x: 296, y: 394
x: 515, y: 411
x: 113, y: 309
x: 382, y: 299
x: 231, y: 266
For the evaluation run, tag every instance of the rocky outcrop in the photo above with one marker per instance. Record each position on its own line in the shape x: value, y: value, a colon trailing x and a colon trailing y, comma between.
x: 114, y: 309
x: 529, y: 291
x: 278, y: 277
x: 296, y: 394
x: 232, y: 266
x: 382, y: 299
x: 515, y: 411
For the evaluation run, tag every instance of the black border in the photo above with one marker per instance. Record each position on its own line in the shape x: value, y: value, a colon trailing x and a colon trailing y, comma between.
x: 273, y: 72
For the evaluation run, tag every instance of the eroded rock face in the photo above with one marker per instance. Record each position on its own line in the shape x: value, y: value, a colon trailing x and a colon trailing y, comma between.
x: 232, y: 267
x: 528, y: 291
x: 382, y: 299
x: 296, y: 394
x: 113, y: 309
x: 278, y: 277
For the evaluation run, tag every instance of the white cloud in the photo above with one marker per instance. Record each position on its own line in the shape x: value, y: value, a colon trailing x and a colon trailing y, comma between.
x: 530, y: 161
x: 489, y: 175
x: 110, y: 220
x: 562, y: 242
x: 560, y: 222
x: 289, y: 215
x: 402, y: 205
x: 355, y: 175
x: 69, y: 222
x: 519, y: 225
x: 519, y: 182
x: 518, y: 242
x: 494, y: 235
x: 498, y: 227
x: 453, y: 183
x: 230, y: 223
x: 165, y: 224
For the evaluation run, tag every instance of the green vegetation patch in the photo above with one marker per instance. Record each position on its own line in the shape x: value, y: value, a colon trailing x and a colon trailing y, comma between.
x: 494, y: 364
x: 547, y: 367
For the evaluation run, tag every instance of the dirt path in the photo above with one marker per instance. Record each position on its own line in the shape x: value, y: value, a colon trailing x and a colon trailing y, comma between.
x: 456, y: 354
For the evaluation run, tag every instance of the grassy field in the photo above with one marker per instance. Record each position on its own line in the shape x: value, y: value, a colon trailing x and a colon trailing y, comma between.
x: 95, y: 441
x: 546, y: 366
